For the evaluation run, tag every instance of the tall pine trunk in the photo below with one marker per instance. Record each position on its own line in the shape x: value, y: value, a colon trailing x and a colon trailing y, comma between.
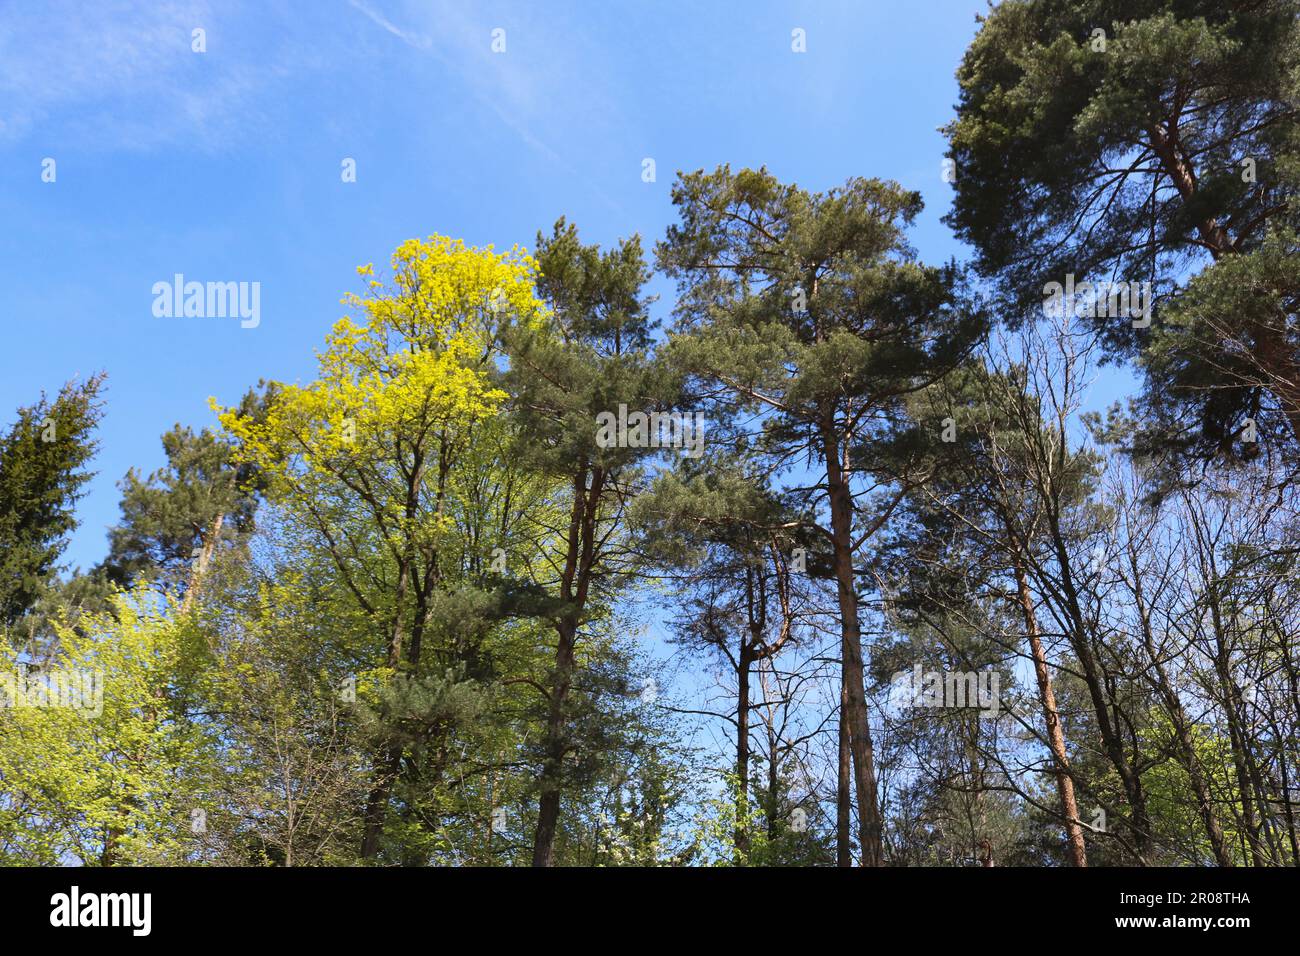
x: 742, y: 757
x: 864, y: 774
x: 548, y: 807
x: 843, y: 796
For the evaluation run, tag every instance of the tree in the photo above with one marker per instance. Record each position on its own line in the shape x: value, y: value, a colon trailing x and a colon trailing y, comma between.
x: 730, y: 544
x: 975, y: 524
x: 588, y: 358
x: 812, y: 309
x: 101, y: 764
x: 1153, y: 141
x: 174, y: 522
x: 375, y: 458
x: 42, y: 460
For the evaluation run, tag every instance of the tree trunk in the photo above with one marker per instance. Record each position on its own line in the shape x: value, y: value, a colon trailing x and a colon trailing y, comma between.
x: 773, y: 780
x: 841, y: 508
x: 207, y: 549
x: 388, y: 763
x: 575, y: 582
x: 1055, y: 737
x: 389, y: 760
x: 843, y: 799
x: 742, y: 758
x: 1134, y: 792
x: 548, y: 808
x: 1232, y: 714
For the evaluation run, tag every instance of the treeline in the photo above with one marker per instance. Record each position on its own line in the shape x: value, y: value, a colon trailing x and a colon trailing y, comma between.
x: 926, y: 604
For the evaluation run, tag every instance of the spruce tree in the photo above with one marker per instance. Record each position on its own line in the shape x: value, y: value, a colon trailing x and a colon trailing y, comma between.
x: 42, y: 474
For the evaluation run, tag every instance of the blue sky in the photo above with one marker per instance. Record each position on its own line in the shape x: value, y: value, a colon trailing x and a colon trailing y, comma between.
x: 225, y: 165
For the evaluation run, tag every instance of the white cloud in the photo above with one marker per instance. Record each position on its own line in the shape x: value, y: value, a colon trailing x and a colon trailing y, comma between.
x: 530, y: 88
x: 121, y: 75
x: 419, y: 41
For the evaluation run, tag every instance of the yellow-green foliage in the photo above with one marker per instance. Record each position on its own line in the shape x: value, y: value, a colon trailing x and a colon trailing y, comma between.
x: 118, y: 786
x: 1171, y: 798
x: 417, y: 361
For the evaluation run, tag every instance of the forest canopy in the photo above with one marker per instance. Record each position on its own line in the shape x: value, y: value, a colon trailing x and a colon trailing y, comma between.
x: 838, y: 565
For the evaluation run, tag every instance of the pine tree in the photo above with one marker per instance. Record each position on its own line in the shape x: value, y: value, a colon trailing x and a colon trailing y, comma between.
x: 740, y: 559
x: 1150, y: 141
x: 589, y: 358
x: 175, y: 521
x: 812, y: 309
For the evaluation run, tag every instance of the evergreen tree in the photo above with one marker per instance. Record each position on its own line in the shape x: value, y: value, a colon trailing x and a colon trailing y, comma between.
x: 42, y: 462
x: 590, y: 358
x: 1149, y: 141
x: 813, y: 310
x: 174, y: 522
x: 730, y: 545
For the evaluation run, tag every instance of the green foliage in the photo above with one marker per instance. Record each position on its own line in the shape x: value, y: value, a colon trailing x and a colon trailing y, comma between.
x: 42, y: 461
x: 1151, y: 141
x: 109, y: 776
x: 169, y: 517
x: 406, y: 586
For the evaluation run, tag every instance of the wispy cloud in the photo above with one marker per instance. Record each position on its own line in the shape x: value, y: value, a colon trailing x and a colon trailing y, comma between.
x: 417, y: 40
x: 526, y: 93
x: 122, y: 75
